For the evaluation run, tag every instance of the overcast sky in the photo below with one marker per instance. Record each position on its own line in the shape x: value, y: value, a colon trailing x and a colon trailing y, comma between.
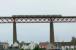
x: 38, y: 32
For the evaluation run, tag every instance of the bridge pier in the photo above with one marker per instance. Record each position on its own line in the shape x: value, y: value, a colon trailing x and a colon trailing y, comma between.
x: 52, y: 47
x: 51, y: 33
x: 14, y: 31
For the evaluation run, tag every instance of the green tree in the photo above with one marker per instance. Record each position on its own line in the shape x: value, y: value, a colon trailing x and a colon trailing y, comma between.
x: 37, y: 48
x: 21, y: 49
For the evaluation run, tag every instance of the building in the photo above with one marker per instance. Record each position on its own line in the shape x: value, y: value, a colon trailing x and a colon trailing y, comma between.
x: 66, y: 45
x: 43, y: 44
x: 29, y: 46
x: 4, y: 45
x: 15, y: 44
x: 51, y: 46
x: 25, y: 46
x: 47, y: 46
x: 32, y: 45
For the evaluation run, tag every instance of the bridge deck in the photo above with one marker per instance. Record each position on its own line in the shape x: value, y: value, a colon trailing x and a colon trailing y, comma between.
x: 38, y: 19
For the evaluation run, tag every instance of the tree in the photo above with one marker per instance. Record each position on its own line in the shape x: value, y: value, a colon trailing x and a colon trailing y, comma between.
x: 21, y: 49
x: 37, y: 48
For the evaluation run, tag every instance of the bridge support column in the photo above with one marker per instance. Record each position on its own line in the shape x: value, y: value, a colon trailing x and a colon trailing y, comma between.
x: 53, y: 47
x: 51, y: 33
x: 14, y: 31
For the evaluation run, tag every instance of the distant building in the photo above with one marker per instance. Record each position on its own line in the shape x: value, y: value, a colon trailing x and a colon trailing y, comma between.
x: 29, y: 46
x: 43, y: 44
x: 51, y: 46
x: 16, y: 45
x: 47, y: 45
x: 25, y: 47
x: 32, y: 45
x: 66, y: 45
x: 4, y: 45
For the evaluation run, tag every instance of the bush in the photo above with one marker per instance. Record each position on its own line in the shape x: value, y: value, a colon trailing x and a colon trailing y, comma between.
x: 37, y: 48
x: 21, y: 49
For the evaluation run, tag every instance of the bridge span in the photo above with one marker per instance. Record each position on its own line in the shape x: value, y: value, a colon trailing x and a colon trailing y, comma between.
x: 37, y: 19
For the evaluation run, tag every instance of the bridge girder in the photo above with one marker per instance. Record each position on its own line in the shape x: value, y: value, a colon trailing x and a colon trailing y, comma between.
x: 38, y: 19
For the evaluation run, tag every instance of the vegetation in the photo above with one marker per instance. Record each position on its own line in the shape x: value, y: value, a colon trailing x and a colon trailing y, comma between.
x: 37, y: 48
x: 21, y: 49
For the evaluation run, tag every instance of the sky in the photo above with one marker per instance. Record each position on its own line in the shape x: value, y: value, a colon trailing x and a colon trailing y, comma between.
x: 37, y: 32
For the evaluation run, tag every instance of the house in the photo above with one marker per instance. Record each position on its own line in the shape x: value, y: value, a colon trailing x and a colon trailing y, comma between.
x: 4, y: 45
x: 29, y: 46
x: 47, y: 45
x: 51, y: 46
x: 25, y: 47
x: 32, y: 45
x: 16, y: 45
x: 43, y: 44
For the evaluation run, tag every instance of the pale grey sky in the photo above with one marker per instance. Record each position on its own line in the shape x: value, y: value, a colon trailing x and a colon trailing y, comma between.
x: 38, y: 32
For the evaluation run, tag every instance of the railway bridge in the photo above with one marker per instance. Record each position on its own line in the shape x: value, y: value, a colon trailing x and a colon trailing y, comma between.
x: 37, y: 19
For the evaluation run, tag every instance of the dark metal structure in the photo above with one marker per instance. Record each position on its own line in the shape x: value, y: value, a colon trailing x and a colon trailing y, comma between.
x: 37, y: 19
x: 14, y: 31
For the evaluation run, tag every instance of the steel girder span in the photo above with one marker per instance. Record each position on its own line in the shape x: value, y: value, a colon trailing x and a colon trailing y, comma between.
x: 38, y: 19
